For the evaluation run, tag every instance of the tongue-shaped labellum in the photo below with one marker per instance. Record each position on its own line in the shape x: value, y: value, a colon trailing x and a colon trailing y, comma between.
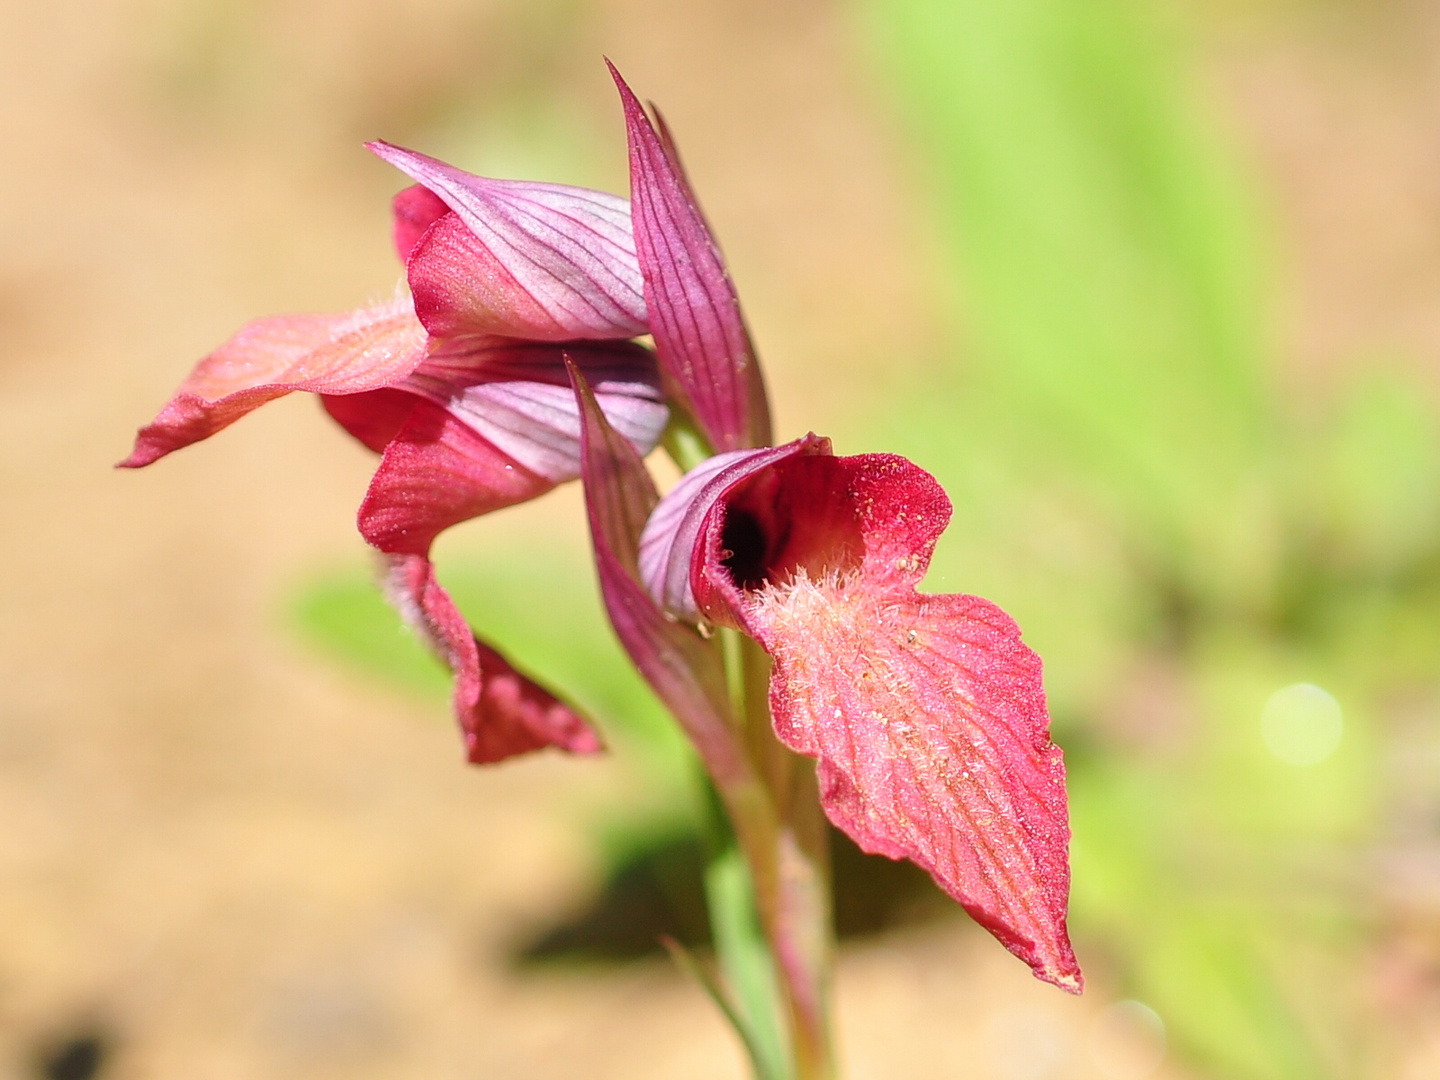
x: 926, y: 713
x: 922, y: 714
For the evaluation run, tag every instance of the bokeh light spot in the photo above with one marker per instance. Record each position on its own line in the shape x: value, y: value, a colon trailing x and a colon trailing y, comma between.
x: 1301, y: 724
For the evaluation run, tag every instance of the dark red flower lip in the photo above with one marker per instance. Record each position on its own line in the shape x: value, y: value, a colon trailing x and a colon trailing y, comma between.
x: 926, y: 713
x: 501, y: 712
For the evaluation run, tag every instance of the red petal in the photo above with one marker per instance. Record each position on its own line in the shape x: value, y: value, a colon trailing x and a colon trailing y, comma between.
x: 415, y: 209
x: 694, y: 314
x: 496, y: 433
x: 374, y: 417
x: 929, y: 721
x: 325, y: 354
x: 461, y: 289
x: 685, y: 670
x: 536, y: 261
x: 435, y: 473
x: 501, y: 712
x: 518, y: 396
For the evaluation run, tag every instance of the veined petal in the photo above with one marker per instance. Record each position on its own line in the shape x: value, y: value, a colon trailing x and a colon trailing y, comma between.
x: 929, y: 721
x: 501, y: 712
x: 927, y: 713
x: 542, y: 262
x: 413, y: 211
x: 350, y: 353
x: 695, y: 316
x: 518, y: 397
x: 685, y: 670
x: 436, y: 472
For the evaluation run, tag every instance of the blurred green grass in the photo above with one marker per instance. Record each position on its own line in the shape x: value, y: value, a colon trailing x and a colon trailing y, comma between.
x: 1133, y: 482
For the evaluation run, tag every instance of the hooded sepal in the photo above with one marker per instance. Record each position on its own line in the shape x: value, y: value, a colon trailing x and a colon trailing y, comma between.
x: 492, y: 427
x: 694, y: 313
x: 501, y: 712
x: 542, y: 262
x: 413, y: 211
x: 372, y: 418
x: 484, y: 428
x: 437, y: 472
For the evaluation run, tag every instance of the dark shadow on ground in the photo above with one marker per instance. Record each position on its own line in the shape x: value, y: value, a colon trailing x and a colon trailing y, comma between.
x: 658, y: 891
x: 79, y: 1056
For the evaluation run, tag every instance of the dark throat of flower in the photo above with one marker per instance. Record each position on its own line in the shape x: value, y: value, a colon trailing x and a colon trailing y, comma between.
x: 783, y: 521
x: 745, y: 550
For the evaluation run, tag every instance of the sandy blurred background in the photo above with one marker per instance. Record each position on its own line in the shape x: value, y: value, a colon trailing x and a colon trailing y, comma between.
x: 224, y: 853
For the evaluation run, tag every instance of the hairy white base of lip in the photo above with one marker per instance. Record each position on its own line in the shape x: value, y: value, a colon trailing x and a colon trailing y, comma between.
x: 803, y: 599
x: 808, y: 619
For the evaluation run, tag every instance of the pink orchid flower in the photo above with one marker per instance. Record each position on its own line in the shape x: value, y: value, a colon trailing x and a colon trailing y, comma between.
x: 464, y: 393
x: 926, y: 713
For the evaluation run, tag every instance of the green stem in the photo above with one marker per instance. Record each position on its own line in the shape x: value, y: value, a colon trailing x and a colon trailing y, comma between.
x: 685, y: 442
x: 740, y: 945
x: 780, y: 830
x: 767, y: 880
